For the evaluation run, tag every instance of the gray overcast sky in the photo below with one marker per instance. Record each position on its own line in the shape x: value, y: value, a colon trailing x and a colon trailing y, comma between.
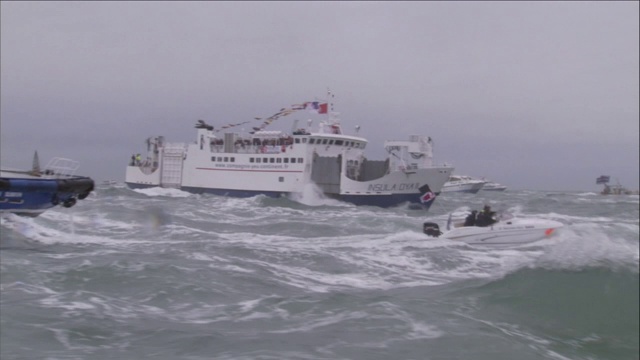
x: 534, y: 95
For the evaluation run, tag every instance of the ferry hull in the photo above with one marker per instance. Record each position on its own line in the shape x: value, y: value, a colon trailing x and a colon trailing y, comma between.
x: 384, y: 201
x: 232, y: 192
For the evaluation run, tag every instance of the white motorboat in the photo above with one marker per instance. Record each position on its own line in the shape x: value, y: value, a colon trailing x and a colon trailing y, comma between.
x: 462, y: 183
x: 507, y: 231
x: 493, y: 186
x: 276, y: 163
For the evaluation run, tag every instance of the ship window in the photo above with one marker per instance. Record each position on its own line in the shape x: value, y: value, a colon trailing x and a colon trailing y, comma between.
x: 219, y: 158
x: 226, y: 159
x: 286, y: 160
x: 251, y: 160
x: 300, y: 160
x: 281, y: 179
x: 339, y: 142
x: 232, y: 159
x: 272, y: 160
x: 213, y: 158
x: 304, y: 140
x: 312, y: 140
x: 293, y: 160
x: 330, y: 142
x: 258, y: 160
x: 325, y: 141
x: 278, y: 160
x: 265, y: 160
x: 297, y: 141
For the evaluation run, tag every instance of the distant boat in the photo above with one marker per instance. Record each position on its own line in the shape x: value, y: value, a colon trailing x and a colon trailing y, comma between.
x: 493, y: 186
x: 463, y: 183
x: 615, y: 189
x: 31, y: 192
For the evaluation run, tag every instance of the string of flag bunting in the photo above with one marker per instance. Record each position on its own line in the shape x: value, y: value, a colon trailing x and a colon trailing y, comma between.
x: 315, y: 107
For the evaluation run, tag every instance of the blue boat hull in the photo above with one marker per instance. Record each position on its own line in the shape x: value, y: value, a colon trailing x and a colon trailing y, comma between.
x: 32, y: 196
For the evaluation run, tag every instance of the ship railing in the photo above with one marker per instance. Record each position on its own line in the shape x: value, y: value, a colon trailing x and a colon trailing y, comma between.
x: 252, y: 149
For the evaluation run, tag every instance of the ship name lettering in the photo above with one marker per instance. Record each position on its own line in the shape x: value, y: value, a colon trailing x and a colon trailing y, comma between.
x: 393, y: 187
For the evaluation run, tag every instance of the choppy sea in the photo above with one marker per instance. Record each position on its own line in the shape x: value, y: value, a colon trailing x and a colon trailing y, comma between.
x: 164, y: 274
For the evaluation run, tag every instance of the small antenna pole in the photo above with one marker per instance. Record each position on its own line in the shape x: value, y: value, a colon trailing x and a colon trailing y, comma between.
x: 35, y: 167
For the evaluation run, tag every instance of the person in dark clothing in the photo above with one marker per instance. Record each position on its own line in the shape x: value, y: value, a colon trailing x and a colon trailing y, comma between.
x: 471, y: 219
x: 486, y: 217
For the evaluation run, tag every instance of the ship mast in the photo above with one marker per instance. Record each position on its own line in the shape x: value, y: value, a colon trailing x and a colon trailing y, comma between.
x: 35, y: 167
x: 332, y: 114
x: 334, y: 120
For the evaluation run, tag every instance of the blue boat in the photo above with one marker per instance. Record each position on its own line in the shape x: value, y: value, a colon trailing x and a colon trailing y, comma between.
x: 31, y: 192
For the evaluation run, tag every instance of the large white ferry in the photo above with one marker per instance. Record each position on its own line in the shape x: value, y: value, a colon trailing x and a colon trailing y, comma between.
x: 276, y: 163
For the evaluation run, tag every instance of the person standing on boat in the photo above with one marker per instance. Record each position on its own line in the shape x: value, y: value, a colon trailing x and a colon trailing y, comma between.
x: 471, y: 218
x: 486, y: 217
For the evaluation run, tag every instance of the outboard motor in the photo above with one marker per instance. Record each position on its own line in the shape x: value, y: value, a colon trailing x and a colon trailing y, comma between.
x: 431, y: 229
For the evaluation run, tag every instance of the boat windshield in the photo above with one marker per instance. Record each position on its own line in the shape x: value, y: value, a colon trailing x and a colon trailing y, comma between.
x: 504, y: 216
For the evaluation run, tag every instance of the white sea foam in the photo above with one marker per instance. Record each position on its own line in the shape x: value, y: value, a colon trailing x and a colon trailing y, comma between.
x: 327, y: 320
x: 168, y: 192
x: 29, y: 288
x: 587, y: 245
x: 587, y: 194
x: 35, y: 230
x: 312, y: 195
